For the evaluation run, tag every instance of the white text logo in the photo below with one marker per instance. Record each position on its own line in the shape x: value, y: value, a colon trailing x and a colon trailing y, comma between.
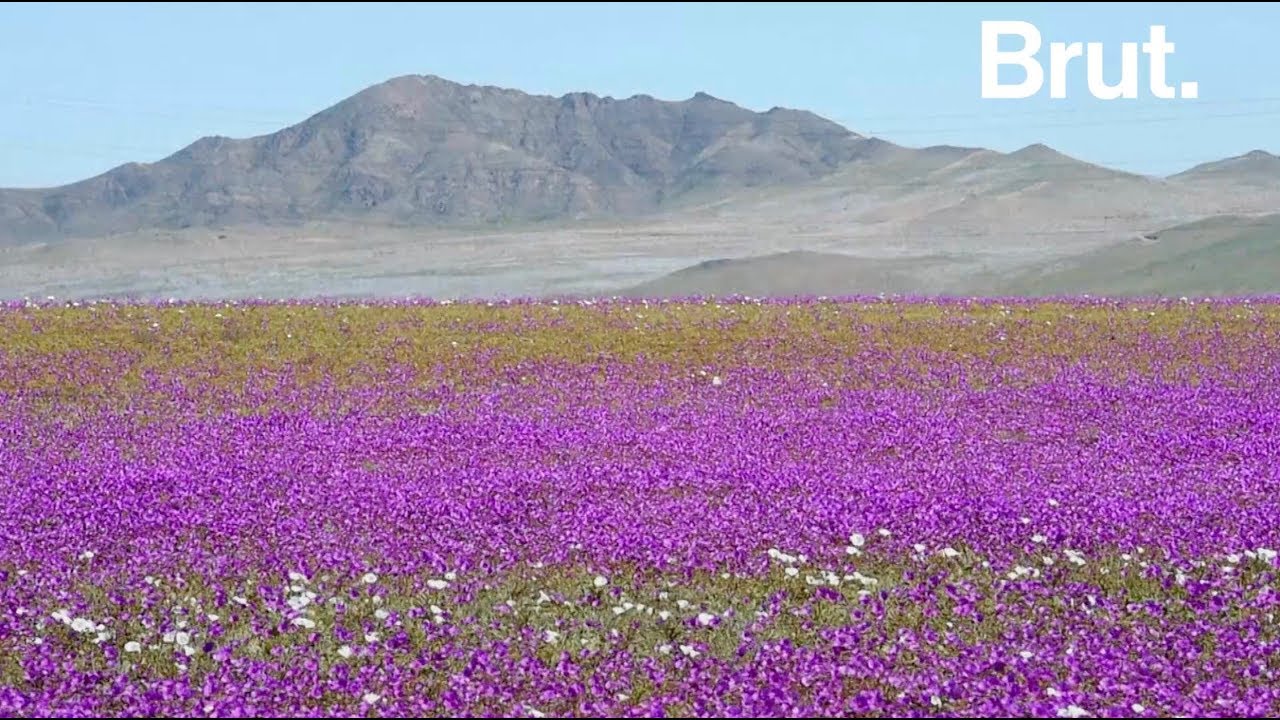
x: 1157, y: 48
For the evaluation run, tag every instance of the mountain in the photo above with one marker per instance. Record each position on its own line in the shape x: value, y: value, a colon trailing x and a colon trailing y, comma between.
x: 423, y: 186
x: 420, y: 150
x: 1258, y: 167
x: 978, y: 206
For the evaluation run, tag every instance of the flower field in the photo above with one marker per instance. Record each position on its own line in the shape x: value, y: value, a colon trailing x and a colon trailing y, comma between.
x: 820, y: 508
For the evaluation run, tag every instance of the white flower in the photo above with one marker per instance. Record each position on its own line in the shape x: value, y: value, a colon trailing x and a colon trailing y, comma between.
x: 345, y: 652
x: 371, y: 637
x: 369, y: 578
x: 664, y: 649
x: 1026, y: 655
x: 297, y: 577
x: 1038, y: 538
x: 1266, y: 554
x: 437, y: 610
x: 935, y: 701
x: 534, y: 713
x: 1020, y: 571
x: 689, y: 651
x: 1138, y: 708
x: 883, y: 532
x: 371, y: 698
x: 600, y: 581
x: 792, y: 572
x: 664, y: 614
x: 212, y: 617
x: 706, y: 618
x: 1053, y: 692
x: 551, y: 636
x: 381, y: 614
x: 1072, y: 711
x: 949, y: 552
x: 82, y: 625
x: 307, y: 623
x: 919, y: 547
x: 1233, y: 558
x: 780, y: 556
x: 716, y: 381
x: 182, y: 638
x: 865, y: 580
x: 62, y: 616
x: 543, y: 597
x: 240, y: 600
x: 297, y: 602
x: 451, y: 576
x: 437, y: 584
x: 133, y: 646
x: 1053, y: 503
x: 857, y: 540
x: 682, y: 604
x: 87, y: 555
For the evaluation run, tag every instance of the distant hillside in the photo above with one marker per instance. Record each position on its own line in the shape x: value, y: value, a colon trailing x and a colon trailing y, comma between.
x: 1218, y: 256
x: 1257, y: 167
x: 795, y: 273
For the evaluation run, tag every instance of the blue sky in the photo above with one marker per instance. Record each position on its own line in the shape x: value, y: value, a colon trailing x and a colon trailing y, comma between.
x: 84, y: 88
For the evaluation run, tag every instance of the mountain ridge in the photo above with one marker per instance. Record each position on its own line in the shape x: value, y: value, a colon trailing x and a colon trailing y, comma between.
x: 423, y: 151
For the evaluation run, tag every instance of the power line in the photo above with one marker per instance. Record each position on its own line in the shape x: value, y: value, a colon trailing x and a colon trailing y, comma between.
x: 104, y: 150
x: 245, y: 116
x: 1046, y: 112
x: 1140, y: 120
x: 258, y: 115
